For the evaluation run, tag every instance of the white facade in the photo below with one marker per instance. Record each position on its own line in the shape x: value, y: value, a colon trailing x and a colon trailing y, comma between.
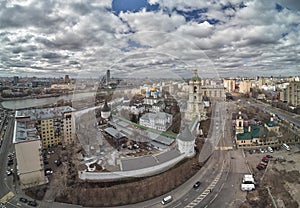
x: 195, y: 106
x: 186, y: 142
x: 159, y: 121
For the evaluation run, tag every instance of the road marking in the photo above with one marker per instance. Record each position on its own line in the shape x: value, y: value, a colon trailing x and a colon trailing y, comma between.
x: 207, y: 191
x: 12, y: 204
x: 224, y: 148
x: 177, y: 205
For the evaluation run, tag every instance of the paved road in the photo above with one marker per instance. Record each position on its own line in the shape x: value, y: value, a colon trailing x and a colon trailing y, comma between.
x: 284, y: 115
x: 6, y: 181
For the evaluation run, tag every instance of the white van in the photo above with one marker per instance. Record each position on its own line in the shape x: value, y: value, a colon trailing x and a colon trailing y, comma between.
x: 167, y: 200
x: 285, y: 146
x: 270, y: 149
x: 248, y: 179
x: 247, y: 187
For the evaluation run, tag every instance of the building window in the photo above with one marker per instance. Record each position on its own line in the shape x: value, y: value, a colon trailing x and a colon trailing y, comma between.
x: 195, y: 89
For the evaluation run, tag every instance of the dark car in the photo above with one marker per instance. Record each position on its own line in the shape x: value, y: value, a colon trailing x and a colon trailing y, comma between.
x: 259, y: 167
x: 197, y: 184
x: 262, y: 165
x: 24, y: 200
x: 32, y: 203
x: 269, y: 156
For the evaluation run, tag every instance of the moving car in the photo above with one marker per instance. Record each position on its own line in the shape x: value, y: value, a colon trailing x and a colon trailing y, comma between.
x: 197, y: 184
x: 8, y: 172
x: 167, y: 200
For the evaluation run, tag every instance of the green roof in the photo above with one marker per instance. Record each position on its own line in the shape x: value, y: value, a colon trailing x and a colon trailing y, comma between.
x: 196, y: 77
x: 254, y: 133
x: 271, y: 124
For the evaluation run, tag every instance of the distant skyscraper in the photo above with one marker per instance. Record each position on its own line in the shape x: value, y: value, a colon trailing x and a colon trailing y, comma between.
x: 67, y: 79
x: 107, y: 77
x: 16, y: 80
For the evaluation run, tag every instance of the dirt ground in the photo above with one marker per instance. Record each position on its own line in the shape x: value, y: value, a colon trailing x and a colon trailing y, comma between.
x: 281, y: 177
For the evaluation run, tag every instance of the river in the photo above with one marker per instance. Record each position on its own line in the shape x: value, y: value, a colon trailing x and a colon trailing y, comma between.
x: 34, y: 102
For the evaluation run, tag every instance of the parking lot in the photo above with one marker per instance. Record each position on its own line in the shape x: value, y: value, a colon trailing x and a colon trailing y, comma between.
x: 279, y: 182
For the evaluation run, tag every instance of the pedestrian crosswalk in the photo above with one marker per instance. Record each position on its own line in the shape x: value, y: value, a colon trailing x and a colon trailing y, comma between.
x: 224, y: 148
x: 206, y: 191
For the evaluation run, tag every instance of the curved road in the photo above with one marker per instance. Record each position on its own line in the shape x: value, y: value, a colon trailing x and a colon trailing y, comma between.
x: 220, y: 176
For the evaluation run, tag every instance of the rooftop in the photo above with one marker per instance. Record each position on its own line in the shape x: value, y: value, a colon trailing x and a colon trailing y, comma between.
x: 148, y: 161
x: 25, y: 131
x: 186, y: 135
x: 271, y: 124
x: 43, y: 113
x: 255, y: 132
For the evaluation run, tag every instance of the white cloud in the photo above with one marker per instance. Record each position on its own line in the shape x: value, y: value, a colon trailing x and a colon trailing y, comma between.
x: 85, y: 37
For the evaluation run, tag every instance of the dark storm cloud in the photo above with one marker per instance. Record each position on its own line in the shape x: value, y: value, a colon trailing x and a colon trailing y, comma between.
x: 51, y: 55
x: 27, y: 48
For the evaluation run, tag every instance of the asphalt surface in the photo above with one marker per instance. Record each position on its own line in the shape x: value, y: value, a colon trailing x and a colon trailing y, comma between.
x: 6, y: 181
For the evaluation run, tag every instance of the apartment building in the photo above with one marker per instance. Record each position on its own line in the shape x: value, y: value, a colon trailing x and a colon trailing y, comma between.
x: 291, y: 94
x: 55, y: 125
x: 245, y: 86
x: 229, y: 84
x: 27, y: 143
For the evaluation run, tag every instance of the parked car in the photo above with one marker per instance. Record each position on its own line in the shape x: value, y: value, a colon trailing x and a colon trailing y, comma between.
x: 269, y: 156
x: 197, y: 185
x: 57, y: 162
x: 285, y: 146
x: 32, y: 203
x: 270, y: 149
x: 259, y: 167
x: 262, y: 165
x: 24, y: 200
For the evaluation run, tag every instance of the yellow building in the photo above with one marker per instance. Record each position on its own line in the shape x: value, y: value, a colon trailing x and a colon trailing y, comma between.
x: 229, y: 84
x: 55, y: 125
x: 245, y: 86
x: 291, y: 94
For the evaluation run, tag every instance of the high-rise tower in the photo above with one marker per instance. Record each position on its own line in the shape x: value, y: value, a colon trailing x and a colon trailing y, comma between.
x: 107, y: 77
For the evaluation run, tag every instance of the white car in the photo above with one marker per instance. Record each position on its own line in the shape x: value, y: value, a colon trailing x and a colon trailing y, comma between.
x: 9, y: 172
x: 285, y: 146
x: 270, y: 149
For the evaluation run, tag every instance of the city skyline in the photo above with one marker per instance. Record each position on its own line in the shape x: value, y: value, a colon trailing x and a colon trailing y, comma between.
x: 149, y: 38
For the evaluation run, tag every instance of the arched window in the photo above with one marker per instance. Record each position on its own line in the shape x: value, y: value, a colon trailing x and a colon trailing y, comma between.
x: 195, y: 88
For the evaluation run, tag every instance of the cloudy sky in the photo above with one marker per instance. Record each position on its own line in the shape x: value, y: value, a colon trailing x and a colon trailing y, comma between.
x: 149, y: 37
